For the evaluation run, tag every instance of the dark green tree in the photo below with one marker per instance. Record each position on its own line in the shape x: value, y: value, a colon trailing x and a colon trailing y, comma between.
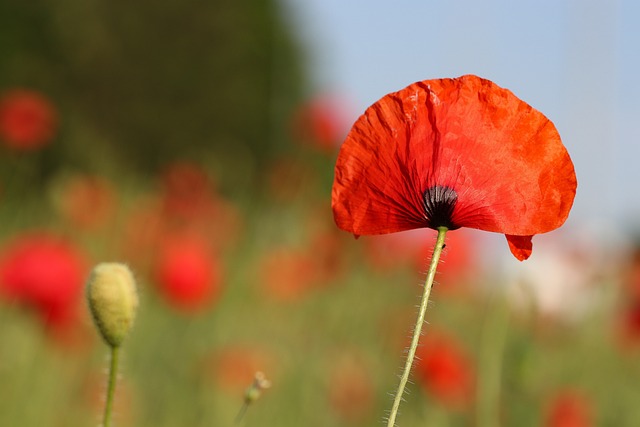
x: 142, y: 83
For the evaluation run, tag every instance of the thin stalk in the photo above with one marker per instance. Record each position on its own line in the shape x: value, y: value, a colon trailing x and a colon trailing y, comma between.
x: 111, y: 387
x: 241, y: 413
x: 431, y: 274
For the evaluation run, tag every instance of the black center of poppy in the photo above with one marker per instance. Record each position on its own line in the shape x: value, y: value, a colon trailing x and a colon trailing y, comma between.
x: 439, y: 202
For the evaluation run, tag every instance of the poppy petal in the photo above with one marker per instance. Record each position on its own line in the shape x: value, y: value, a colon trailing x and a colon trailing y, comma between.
x: 520, y: 246
x: 458, y: 152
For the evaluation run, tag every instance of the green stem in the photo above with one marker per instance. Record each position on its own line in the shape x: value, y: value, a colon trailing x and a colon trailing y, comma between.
x: 431, y: 274
x: 241, y: 413
x: 111, y: 387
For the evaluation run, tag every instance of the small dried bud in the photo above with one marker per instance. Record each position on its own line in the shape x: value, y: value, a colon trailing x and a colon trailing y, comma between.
x: 260, y: 383
x: 113, y: 300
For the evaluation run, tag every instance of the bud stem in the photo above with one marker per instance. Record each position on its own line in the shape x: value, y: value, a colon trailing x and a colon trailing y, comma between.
x: 240, y: 414
x: 111, y: 386
x: 437, y: 251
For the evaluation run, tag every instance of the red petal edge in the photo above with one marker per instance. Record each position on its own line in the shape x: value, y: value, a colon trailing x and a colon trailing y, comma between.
x: 520, y: 246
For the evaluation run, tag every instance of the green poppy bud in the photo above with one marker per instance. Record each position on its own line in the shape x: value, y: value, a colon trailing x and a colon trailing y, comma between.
x: 113, y: 300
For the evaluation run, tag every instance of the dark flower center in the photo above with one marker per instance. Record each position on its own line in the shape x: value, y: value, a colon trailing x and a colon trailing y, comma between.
x: 439, y: 202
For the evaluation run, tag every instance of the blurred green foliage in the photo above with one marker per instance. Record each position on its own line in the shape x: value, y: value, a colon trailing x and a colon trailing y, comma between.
x: 138, y: 84
x: 171, y: 372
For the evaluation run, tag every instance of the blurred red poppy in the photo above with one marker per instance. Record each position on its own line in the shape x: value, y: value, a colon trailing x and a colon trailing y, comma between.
x: 631, y: 273
x: 44, y: 272
x: 628, y: 324
x: 188, y: 272
x: 569, y: 408
x: 412, y: 248
x: 326, y: 250
x: 444, y: 370
x: 186, y: 189
x: 142, y: 234
x: 350, y: 386
x: 454, y: 153
x: 27, y: 119
x: 628, y: 312
x: 189, y: 200
x: 320, y: 122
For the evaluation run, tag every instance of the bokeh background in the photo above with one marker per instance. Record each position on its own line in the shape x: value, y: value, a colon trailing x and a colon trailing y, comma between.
x: 196, y: 142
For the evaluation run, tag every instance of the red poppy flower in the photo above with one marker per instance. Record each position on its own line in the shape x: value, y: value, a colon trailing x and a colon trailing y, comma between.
x: 188, y: 273
x: 444, y: 370
x: 27, y: 119
x: 569, y: 409
x: 454, y: 153
x: 44, y: 272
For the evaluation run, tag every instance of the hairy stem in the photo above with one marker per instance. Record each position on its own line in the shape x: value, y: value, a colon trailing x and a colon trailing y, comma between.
x: 111, y: 387
x: 437, y: 251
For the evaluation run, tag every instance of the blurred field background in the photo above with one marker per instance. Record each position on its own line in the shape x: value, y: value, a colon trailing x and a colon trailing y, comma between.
x: 194, y: 142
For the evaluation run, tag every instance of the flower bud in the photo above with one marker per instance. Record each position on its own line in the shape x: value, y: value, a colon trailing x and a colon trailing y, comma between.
x: 260, y: 383
x: 113, y: 300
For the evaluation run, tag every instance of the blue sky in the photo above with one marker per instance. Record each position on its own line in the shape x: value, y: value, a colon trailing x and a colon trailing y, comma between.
x: 577, y: 61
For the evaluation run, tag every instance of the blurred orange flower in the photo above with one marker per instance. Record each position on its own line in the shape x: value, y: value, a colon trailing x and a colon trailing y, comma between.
x: 86, y: 201
x: 351, y: 390
x: 569, y: 408
x: 326, y: 249
x: 27, y: 119
x: 287, y: 274
x: 444, y: 370
x: 233, y: 367
x: 460, y: 152
x: 142, y: 234
x: 44, y: 272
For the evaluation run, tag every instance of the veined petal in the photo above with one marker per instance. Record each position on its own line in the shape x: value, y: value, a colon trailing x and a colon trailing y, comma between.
x: 491, y: 161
